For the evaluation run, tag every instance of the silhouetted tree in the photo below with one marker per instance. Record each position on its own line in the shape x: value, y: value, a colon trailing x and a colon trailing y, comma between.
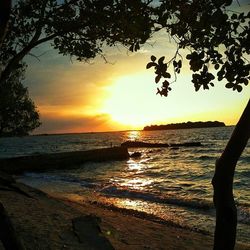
x: 76, y: 28
x: 5, y: 8
x: 18, y: 114
x: 213, y: 35
x: 218, y: 43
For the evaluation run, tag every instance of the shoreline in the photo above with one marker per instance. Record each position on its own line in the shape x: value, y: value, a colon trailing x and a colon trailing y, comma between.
x: 37, y: 216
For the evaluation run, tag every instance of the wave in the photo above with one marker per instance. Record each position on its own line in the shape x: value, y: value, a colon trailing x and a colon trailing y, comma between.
x: 245, y: 159
x: 204, y: 205
x: 244, y: 173
x: 155, y: 197
x: 147, y: 216
x: 86, y: 182
x: 244, y: 214
x: 206, y: 157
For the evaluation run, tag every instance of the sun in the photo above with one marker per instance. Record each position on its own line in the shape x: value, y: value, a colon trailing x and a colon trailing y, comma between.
x: 129, y: 101
x: 125, y: 103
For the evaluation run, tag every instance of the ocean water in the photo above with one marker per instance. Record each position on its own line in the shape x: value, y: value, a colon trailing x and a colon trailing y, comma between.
x: 171, y: 184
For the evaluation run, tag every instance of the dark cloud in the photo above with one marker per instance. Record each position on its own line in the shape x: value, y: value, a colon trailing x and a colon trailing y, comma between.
x: 68, y: 124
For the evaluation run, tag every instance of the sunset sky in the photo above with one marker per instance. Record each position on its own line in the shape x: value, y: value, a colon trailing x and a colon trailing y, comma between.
x: 80, y: 97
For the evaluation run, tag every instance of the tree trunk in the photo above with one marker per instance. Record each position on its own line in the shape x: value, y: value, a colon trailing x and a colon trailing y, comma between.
x: 226, y: 211
x: 8, y: 236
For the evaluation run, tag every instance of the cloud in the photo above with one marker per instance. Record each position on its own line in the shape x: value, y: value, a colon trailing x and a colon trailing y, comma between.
x: 52, y: 123
x: 55, y: 81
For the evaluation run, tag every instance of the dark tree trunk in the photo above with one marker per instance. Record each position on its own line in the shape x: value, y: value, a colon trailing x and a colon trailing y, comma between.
x: 8, y: 236
x: 226, y: 211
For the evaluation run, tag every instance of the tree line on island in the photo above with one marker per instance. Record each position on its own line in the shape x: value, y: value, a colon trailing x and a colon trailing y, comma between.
x: 185, y: 125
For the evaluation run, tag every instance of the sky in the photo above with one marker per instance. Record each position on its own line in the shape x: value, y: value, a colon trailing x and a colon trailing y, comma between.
x: 74, y: 97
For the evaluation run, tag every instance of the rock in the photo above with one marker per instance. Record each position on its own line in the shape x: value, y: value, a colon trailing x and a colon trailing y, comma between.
x: 135, y: 155
x: 186, y: 144
x: 141, y: 144
x: 6, y: 179
x: 88, y: 231
x: 8, y: 183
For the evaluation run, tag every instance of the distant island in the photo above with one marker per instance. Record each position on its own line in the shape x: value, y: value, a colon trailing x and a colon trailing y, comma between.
x: 185, y: 125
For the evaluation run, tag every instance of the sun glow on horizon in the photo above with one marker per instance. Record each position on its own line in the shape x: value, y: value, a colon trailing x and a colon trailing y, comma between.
x: 132, y: 102
x: 123, y: 97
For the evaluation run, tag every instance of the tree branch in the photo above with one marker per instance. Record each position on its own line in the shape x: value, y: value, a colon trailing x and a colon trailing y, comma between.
x: 40, y: 24
x: 63, y: 6
x: 5, y: 8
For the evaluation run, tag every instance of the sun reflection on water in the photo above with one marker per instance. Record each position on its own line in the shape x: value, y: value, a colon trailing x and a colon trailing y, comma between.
x: 137, y: 183
x: 130, y: 204
x: 137, y: 167
x: 134, y: 165
x: 134, y: 135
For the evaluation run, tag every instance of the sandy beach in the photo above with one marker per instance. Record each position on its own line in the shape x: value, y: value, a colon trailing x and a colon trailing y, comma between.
x: 45, y: 222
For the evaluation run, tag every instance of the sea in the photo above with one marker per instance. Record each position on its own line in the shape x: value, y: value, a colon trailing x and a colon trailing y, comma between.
x: 169, y: 184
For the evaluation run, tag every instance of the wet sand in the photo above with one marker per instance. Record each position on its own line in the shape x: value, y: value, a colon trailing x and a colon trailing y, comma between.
x: 45, y: 222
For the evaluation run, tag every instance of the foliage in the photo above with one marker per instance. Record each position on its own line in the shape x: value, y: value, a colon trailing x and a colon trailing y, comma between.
x: 5, y: 7
x: 76, y: 28
x: 217, y: 40
x: 18, y: 114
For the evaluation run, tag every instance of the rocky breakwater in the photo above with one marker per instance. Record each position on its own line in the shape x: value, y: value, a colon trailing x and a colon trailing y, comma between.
x: 43, y: 162
x: 141, y: 144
